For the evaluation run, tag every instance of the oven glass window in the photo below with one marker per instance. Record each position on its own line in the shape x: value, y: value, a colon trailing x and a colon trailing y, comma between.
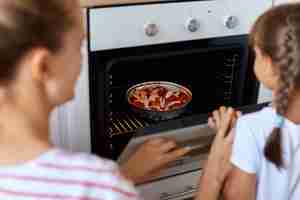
x: 212, y: 77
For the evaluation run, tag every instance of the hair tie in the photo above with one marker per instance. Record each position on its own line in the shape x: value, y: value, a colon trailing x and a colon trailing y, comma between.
x: 279, y: 120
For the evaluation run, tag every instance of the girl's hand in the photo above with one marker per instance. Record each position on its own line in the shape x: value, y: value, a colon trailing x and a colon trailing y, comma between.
x: 218, y: 164
x: 215, y: 121
x: 151, y: 158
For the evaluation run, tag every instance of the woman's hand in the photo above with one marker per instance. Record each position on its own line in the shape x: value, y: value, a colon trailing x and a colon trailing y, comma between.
x: 151, y: 158
x: 218, y: 164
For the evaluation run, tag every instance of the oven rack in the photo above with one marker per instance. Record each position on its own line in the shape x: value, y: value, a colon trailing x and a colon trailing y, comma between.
x: 124, y: 123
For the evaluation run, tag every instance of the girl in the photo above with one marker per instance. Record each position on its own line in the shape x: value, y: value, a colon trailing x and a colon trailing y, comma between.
x: 40, y: 63
x: 266, y: 142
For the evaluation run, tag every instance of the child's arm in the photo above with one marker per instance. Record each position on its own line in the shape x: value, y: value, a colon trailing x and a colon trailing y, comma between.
x: 218, y: 165
x: 240, y: 185
x: 242, y: 182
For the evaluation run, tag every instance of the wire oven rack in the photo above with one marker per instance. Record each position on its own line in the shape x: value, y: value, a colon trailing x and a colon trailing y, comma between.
x: 122, y: 123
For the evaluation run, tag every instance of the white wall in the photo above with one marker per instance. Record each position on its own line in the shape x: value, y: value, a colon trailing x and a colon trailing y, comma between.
x: 265, y: 95
x: 70, y: 123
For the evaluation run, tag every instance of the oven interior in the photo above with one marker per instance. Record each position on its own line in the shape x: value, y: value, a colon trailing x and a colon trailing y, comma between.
x: 216, y: 72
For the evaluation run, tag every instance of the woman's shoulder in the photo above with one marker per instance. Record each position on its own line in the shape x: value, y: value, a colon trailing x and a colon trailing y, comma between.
x: 82, y: 160
x: 92, y: 174
x: 87, y: 166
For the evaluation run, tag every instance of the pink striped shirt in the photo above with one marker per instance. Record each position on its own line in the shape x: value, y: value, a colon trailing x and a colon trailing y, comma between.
x: 62, y: 175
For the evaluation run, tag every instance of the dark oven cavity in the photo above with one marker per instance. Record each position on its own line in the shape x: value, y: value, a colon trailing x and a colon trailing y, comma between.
x: 215, y: 70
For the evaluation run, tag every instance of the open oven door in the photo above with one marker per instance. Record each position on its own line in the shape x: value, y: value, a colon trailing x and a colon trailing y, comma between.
x: 181, y: 178
x: 193, y: 132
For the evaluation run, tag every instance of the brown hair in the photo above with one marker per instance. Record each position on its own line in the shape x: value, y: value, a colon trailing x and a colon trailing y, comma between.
x: 277, y: 34
x: 25, y: 24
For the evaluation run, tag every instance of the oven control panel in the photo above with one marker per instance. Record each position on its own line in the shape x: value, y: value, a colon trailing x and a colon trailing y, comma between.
x: 157, y: 23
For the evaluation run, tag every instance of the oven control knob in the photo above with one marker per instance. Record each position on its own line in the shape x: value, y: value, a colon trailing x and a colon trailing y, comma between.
x: 231, y: 22
x: 151, y: 29
x: 193, y: 25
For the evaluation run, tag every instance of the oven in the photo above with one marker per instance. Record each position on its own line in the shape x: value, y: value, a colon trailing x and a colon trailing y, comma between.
x: 202, y: 45
x: 215, y: 70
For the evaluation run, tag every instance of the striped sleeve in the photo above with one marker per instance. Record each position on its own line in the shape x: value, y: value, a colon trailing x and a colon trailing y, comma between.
x: 63, y: 176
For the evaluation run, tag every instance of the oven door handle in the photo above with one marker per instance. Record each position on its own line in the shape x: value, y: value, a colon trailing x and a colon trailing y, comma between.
x: 196, y: 147
x: 198, y: 143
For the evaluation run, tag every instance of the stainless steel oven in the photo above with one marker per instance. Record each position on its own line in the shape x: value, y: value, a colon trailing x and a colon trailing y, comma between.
x: 202, y: 45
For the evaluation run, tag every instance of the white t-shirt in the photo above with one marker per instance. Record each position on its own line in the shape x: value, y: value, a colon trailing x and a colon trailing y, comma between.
x: 252, y: 132
x: 294, y: 186
x: 62, y: 175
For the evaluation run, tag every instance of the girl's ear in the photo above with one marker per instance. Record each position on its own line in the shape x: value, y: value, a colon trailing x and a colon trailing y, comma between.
x: 39, y: 62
